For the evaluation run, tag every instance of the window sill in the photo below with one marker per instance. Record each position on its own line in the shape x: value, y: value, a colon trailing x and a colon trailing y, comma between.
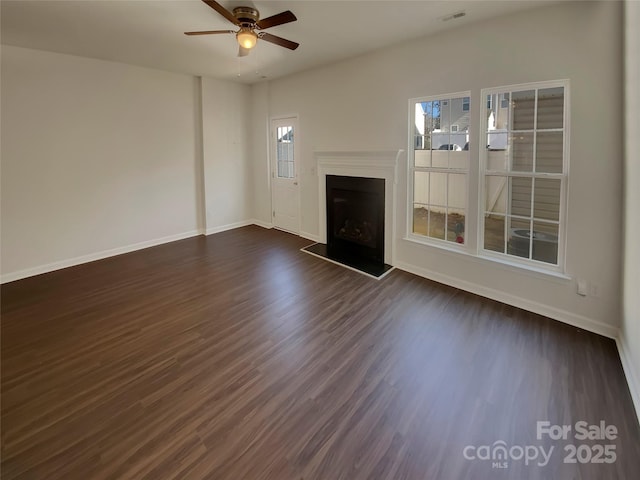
x: 441, y: 244
x: 489, y: 260
x: 528, y: 268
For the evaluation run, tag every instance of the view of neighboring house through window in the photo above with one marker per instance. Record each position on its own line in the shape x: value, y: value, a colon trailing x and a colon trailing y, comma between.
x: 525, y: 172
x: 440, y: 164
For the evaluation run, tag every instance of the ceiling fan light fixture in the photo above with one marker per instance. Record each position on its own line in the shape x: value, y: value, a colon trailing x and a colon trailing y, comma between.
x: 247, y: 38
x: 251, y: 27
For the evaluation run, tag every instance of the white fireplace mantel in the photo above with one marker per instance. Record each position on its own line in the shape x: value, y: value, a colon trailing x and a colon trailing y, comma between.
x: 361, y: 163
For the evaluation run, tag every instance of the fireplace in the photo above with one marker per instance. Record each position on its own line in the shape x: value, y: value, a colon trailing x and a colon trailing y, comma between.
x: 355, y: 219
x: 357, y: 191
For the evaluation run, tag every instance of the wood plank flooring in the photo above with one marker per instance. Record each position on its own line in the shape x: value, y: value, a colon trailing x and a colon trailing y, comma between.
x: 236, y: 356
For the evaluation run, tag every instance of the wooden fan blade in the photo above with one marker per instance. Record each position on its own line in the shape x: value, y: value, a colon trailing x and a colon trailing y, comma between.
x: 283, y: 42
x: 243, y: 52
x: 209, y: 32
x: 279, y: 19
x: 222, y: 11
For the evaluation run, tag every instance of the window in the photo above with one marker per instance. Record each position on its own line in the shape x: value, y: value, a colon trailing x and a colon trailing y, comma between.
x: 284, y: 152
x: 439, y: 168
x: 524, y: 174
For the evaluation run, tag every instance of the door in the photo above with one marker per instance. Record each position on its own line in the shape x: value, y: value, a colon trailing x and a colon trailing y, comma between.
x: 284, y: 174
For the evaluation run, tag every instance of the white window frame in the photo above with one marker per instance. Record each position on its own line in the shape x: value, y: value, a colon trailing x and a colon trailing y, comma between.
x: 424, y: 239
x: 564, y: 180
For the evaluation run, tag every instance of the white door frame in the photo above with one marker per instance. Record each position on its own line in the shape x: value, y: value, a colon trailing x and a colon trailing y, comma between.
x: 273, y: 167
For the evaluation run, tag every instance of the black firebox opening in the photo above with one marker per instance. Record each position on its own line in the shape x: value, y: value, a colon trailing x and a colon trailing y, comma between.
x: 355, y: 219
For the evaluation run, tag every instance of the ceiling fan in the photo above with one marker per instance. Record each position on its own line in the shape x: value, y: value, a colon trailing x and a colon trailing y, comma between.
x: 250, y: 27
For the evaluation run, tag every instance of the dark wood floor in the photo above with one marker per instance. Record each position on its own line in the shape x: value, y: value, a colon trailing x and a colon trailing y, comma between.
x: 236, y: 356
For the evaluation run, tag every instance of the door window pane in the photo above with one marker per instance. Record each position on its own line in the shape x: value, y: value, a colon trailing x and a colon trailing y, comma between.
x: 284, y: 152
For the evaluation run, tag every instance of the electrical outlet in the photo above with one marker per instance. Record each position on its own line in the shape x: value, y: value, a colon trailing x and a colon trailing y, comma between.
x: 583, y: 288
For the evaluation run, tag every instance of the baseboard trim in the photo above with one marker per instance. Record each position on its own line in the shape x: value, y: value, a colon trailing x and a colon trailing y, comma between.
x: 564, y: 316
x: 262, y: 224
x: 229, y: 226
x: 630, y: 373
x: 92, y: 257
x: 310, y: 236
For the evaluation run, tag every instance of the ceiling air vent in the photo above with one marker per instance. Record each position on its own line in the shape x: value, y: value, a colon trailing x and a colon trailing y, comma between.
x: 454, y: 16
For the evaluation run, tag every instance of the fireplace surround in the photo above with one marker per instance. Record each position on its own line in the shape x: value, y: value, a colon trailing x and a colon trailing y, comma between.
x: 371, y: 164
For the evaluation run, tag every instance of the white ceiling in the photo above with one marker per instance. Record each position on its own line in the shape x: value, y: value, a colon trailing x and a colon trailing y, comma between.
x: 150, y: 32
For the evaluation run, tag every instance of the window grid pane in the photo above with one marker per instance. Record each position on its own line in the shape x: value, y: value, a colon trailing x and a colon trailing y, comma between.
x: 545, y: 242
x: 519, y: 237
x: 494, y: 230
x: 521, y: 145
x: 440, y: 166
x: 520, y: 196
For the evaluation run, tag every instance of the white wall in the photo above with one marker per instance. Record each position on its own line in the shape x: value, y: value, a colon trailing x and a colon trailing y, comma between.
x: 99, y: 158
x: 630, y: 331
x: 95, y: 156
x: 362, y: 104
x: 259, y: 153
x: 228, y: 179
